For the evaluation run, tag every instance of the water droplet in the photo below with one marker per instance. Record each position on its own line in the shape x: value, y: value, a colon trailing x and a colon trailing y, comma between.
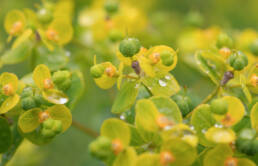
x: 55, y: 97
x: 137, y: 85
x: 218, y: 125
x: 122, y: 117
x: 204, y: 131
x: 192, y: 127
x: 162, y: 83
x: 167, y: 77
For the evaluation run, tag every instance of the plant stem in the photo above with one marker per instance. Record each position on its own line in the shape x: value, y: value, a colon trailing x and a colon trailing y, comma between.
x: 85, y: 129
x: 130, y: 76
x: 213, y: 94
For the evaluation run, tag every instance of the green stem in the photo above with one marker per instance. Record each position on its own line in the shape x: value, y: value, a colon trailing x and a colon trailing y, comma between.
x: 85, y: 129
x: 213, y: 94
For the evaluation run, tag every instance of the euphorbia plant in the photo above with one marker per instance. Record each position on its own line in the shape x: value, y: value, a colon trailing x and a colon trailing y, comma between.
x: 157, y: 122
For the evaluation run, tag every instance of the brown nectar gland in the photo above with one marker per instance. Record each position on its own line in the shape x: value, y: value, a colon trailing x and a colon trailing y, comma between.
x: 227, y: 120
x: 52, y: 35
x: 164, y: 122
x: 117, y: 146
x: 43, y: 116
x: 16, y: 28
x: 110, y: 71
x: 254, y: 80
x: 8, y: 89
x: 48, y: 84
x: 231, y: 161
x: 154, y: 57
x: 225, y: 52
x: 166, y: 158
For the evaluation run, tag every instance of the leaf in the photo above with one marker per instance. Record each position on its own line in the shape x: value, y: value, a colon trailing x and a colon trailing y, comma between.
x: 62, y: 113
x: 202, y: 120
x: 9, y: 103
x: 148, y: 159
x: 40, y: 74
x: 167, y: 107
x: 55, y: 96
x: 29, y: 120
x: 254, y: 116
x: 146, y: 115
x: 184, y: 153
x: 18, y: 54
x: 162, y: 85
x: 55, y: 59
x: 116, y: 129
x: 217, y: 155
x: 11, y: 18
x: 5, y: 135
x: 76, y: 89
x: 220, y: 135
x: 22, y: 38
x: 236, y: 111
x: 9, y: 78
x: 245, y: 162
x: 125, y: 97
x: 211, y: 65
x: 120, y: 72
x: 126, y: 158
x: 136, y: 138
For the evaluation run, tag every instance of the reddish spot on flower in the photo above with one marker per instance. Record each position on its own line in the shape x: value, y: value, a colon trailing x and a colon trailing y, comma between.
x: 254, y: 80
x: 43, y: 116
x: 166, y: 158
x: 154, y: 57
x: 117, y: 146
x: 225, y: 52
x: 16, y: 28
x: 8, y: 89
x: 163, y: 121
x: 52, y: 35
x: 231, y: 161
x: 227, y: 120
x: 110, y: 71
x: 48, y: 84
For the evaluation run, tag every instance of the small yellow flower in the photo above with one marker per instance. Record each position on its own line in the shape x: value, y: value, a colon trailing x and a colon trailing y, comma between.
x: 117, y: 146
x: 8, y: 89
x: 16, y: 28
x: 52, y: 35
x: 163, y: 121
x: 166, y: 158
x: 254, y: 80
x: 225, y: 52
x: 231, y: 161
x: 154, y: 57
x: 43, y: 116
x: 48, y: 84
x: 110, y: 71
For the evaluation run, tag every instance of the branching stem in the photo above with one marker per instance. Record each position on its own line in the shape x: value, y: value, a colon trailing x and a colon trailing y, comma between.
x: 85, y: 129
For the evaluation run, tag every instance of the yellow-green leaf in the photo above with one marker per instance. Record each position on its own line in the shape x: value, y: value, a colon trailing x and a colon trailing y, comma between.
x: 29, y: 120
x: 254, y: 116
x: 167, y: 107
x: 5, y: 135
x: 13, y: 17
x: 162, y: 85
x: 125, y: 97
x: 220, y: 135
x: 9, y: 78
x: 9, y: 103
x: 245, y: 162
x: 22, y: 38
x: 55, y: 96
x: 148, y: 159
x: 217, y: 155
x: 116, y: 129
x: 126, y: 158
x: 62, y: 113
x: 40, y: 74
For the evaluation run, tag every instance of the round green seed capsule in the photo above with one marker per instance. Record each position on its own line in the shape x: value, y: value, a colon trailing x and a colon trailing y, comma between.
x: 62, y: 79
x: 101, y: 148
x: 47, y: 133
x: 167, y: 58
x: 49, y: 123
x: 28, y: 103
x: 44, y: 15
x: 111, y: 6
x: 26, y: 92
x: 184, y: 103
x: 224, y: 41
x: 254, y: 47
x: 219, y: 106
x: 129, y: 47
x: 57, y: 127
x: 97, y: 70
x: 238, y: 60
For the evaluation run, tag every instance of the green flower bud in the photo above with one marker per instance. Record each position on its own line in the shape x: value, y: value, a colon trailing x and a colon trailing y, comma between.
x: 28, y: 103
x: 111, y: 6
x: 247, y: 134
x: 44, y: 15
x: 238, y: 60
x: 27, y: 92
x: 167, y: 58
x: 255, y: 145
x: 115, y: 35
x: 57, y: 127
x: 246, y: 142
x: 224, y: 41
x: 47, y: 133
x: 101, y: 148
x: 40, y: 100
x: 219, y: 106
x: 48, y: 124
x: 194, y: 19
x: 62, y: 79
x: 129, y: 47
x: 184, y: 103
x: 97, y: 70
x: 254, y: 47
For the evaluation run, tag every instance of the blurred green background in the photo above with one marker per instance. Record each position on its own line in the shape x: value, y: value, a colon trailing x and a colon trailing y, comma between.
x: 70, y: 148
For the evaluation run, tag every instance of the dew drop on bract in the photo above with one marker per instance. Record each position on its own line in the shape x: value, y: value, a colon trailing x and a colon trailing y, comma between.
x: 55, y: 96
x: 162, y: 83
